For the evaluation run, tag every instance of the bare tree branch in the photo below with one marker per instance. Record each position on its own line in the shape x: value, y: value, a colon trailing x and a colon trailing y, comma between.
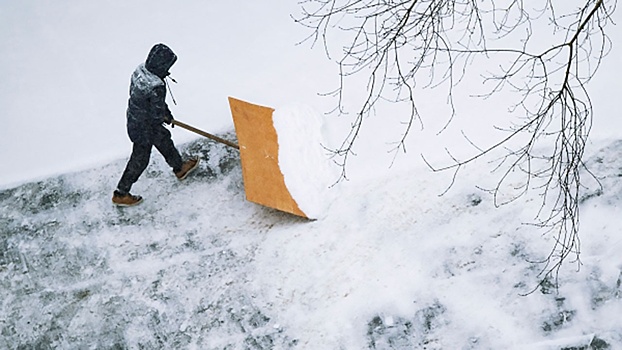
x: 403, y: 46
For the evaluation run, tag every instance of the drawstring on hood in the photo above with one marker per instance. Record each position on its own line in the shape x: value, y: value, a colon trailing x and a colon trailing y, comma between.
x: 169, y: 88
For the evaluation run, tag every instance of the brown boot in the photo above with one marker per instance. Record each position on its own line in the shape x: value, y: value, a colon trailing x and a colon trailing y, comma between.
x: 186, y: 168
x: 125, y: 200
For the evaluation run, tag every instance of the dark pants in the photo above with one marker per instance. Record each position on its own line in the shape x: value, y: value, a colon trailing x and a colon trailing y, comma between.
x: 160, y: 137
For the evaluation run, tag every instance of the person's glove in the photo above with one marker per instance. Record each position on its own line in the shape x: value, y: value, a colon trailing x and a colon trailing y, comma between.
x: 168, y: 119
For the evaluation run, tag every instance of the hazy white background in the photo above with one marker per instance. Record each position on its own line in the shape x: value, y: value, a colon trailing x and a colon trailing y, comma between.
x: 65, y: 68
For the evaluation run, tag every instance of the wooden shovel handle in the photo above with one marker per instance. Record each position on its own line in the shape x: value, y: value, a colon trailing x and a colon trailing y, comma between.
x: 203, y: 133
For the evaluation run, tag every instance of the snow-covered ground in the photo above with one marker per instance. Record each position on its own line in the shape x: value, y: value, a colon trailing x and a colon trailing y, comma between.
x: 389, y: 265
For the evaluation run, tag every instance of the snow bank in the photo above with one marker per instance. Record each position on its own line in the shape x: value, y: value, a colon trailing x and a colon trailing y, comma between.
x: 303, y: 160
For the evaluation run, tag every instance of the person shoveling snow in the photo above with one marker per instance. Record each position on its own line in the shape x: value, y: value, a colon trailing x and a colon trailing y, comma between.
x: 292, y: 139
x: 147, y: 111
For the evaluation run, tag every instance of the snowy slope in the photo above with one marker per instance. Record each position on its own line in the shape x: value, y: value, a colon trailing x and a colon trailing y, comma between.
x: 391, y: 266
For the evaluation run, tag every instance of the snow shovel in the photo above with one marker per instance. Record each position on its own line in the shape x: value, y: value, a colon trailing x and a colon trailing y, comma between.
x: 259, y: 153
x: 203, y: 133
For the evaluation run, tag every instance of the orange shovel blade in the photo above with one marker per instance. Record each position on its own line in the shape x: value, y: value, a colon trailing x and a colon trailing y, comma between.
x: 259, y: 152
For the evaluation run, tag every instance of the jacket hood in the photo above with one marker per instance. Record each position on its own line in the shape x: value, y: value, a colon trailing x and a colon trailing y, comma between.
x: 160, y: 59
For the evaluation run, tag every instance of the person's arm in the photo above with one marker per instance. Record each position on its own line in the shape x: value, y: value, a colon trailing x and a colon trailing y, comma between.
x: 160, y: 110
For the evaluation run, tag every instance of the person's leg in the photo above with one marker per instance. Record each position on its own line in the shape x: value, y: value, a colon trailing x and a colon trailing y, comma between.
x: 135, y: 166
x: 164, y: 144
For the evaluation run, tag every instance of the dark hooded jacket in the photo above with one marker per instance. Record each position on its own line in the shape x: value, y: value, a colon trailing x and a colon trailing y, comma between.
x: 147, y: 109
